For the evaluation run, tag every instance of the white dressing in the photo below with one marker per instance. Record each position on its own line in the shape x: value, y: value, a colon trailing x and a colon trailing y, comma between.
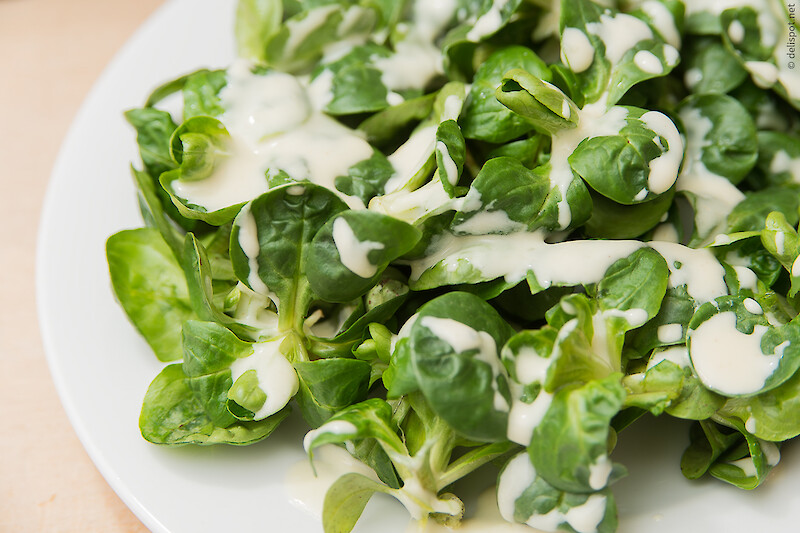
x: 728, y: 360
x: 414, y: 63
x: 781, y: 162
x: 583, y: 518
x: 678, y: 355
x: 489, y: 222
x: 780, y: 239
x: 692, y: 77
x: 670, y: 333
x: 736, y: 32
x: 307, y: 485
x: 646, y: 61
x: 746, y: 465
x: 747, y: 278
x: 576, y: 50
x: 488, y: 23
x: 409, y: 158
x: 354, y: 253
x: 276, y: 376
x: 664, y: 168
x: 764, y: 73
x: 524, y: 417
x: 517, y: 476
x: 447, y: 161
x: 771, y: 452
x: 697, y: 269
x: 662, y: 21
x: 594, y: 121
x: 796, y: 267
x: 274, y: 127
x: 752, y: 307
x: 599, y: 472
x: 335, y: 427
x: 248, y: 241
x: 619, y: 34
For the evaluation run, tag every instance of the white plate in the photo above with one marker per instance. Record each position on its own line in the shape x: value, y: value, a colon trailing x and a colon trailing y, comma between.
x: 102, y: 368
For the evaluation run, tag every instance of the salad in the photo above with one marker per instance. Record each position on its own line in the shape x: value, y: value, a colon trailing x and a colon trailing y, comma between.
x: 460, y: 232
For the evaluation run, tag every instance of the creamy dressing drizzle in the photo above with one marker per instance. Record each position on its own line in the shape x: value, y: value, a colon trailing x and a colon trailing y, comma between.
x: 530, y: 368
x: 582, y: 518
x: 450, y: 167
x: 670, y: 333
x: 752, y: 307
x: 664, y: 168
x: 409, y: 158
x: 747, y: 278
x: 728, y: 360
x: 678, y: 355
x: 599, y: 472
x: 781, y: 162
x: 488, y: 23
x: 489, y: 222
x: 354, y: 253
x: 276, y: 376
x: 697, y: 269
x: 274, y: 127
x: 252, y: 310
x: 248, y: 241
x: 577, y: 51
x: 335, y: 427
x: 662, y: 21
x: 513, y: 255
x: 646, y: 61
x: 619, y: 34
x: 307, y: 485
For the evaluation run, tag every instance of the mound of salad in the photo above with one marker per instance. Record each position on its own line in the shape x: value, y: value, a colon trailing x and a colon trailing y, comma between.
x: 455, y: 232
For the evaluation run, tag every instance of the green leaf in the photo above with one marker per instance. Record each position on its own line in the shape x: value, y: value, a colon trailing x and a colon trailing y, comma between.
x: 454, y: 345
x: 329, y: 385
x: 149, y: 284
x: 369, y: 419
x: 730, y: 146
x: 256, y: 22
x: 198, y: 275
x: 708, y: 441
x: 354, y: 81
x: 484, y: 117
x: 504, y: 197
x: 540, y: 102
x: 209, y: 347
x: 542, y: 505
x: 350, y: 252
x: 450, y: 154
x: 569, y: 447
x: 180, y: 410
x: 345, y: 501
x: 280, y: 226
x: 201, y: 94
x: 710, y: 67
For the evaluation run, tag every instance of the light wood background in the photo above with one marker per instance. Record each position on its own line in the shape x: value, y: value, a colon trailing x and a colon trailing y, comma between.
x: 51, y: 52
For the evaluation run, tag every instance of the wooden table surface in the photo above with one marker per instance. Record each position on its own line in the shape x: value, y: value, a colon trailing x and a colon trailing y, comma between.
x: 51, y: 52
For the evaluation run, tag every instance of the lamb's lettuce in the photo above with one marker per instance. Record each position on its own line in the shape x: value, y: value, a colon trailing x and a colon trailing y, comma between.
x: 558, y: 213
